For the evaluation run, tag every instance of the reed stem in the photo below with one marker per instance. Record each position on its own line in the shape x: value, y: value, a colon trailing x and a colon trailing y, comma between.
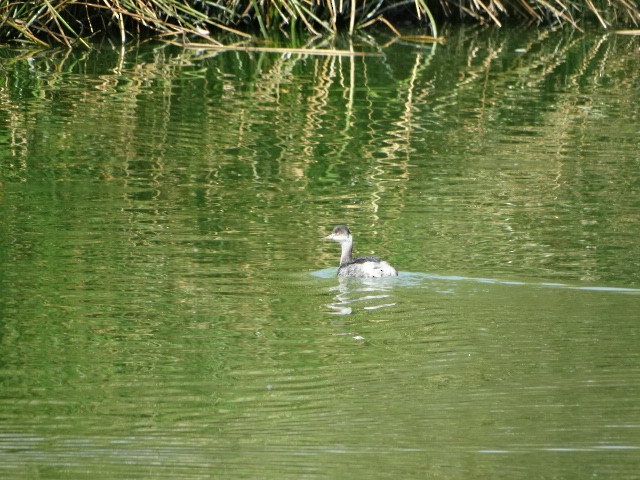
x: 70, y: 22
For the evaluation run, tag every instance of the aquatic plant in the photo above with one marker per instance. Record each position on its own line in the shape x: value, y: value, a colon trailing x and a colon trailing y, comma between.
x: 68, y: 21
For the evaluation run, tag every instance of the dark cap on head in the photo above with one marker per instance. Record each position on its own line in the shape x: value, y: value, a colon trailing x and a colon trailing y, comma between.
x: 342, y: 229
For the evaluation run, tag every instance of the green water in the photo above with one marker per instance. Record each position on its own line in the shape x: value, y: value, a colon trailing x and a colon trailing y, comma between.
x: 168, y: 308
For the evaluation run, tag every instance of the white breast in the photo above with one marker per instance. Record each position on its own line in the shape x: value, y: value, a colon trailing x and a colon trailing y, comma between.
x: 368, y: 270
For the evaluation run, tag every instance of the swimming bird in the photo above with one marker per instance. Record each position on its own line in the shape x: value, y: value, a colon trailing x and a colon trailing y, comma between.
x: 363, y: 267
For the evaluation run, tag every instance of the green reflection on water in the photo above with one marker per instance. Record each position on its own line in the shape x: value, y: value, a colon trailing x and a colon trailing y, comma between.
x: 162, y: 214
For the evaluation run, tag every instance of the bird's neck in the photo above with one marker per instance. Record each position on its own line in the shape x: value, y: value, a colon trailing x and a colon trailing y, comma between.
x: 347, y: 248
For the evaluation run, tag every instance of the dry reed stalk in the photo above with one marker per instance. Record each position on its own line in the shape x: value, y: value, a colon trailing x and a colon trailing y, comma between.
x: 301, y: 51
x: 71, y: 21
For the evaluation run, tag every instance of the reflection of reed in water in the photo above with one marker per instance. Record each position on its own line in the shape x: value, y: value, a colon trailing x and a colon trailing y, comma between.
x: 370, y: 293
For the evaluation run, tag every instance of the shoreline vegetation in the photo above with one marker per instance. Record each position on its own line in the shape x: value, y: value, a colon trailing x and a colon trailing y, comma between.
x: 199, y: 22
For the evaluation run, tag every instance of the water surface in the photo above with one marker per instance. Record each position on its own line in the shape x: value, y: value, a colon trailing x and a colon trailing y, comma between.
x: 168, y: 307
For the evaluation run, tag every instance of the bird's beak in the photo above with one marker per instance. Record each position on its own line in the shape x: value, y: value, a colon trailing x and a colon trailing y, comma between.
x: 328, y: 237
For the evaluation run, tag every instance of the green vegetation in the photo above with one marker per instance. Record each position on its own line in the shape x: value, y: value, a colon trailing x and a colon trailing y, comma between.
x: 69, y: 21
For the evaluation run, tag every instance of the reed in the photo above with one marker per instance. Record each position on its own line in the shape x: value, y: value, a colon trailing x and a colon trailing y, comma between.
x: 72, y: 21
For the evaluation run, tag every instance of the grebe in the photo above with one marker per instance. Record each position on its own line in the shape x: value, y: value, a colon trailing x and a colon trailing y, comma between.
x: 363, y: 267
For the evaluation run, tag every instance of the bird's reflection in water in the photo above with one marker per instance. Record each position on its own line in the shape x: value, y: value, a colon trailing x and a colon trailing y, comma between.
x: 367, y: 294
